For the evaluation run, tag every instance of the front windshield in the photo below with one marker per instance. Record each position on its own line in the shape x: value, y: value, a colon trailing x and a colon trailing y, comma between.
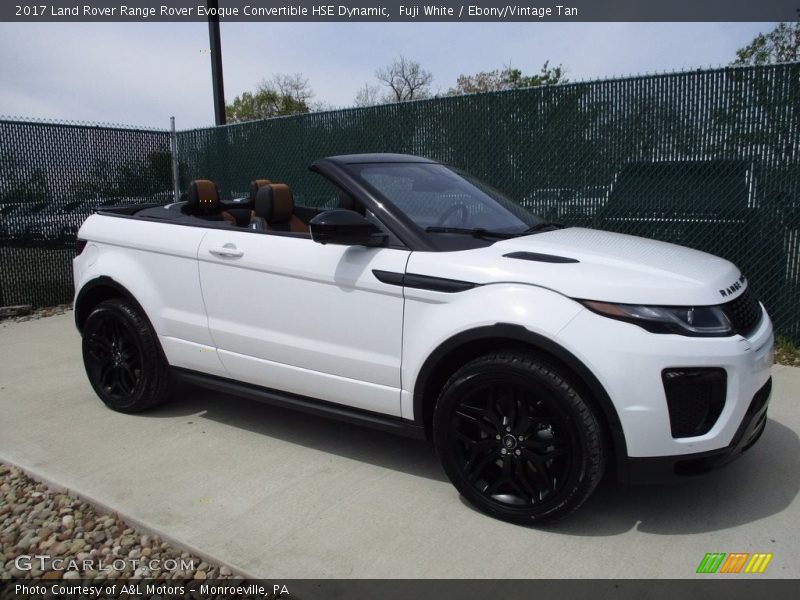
x: 435, y: 196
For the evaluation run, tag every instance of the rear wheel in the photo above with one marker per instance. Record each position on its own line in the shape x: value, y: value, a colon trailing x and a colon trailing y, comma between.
x: 517, y: 439
x: 123, y: 359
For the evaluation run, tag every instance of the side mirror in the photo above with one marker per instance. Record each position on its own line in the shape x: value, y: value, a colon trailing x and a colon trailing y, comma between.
x: 346, y: 227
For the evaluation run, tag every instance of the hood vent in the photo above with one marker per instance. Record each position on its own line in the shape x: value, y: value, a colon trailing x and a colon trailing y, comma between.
x: 536, y: 257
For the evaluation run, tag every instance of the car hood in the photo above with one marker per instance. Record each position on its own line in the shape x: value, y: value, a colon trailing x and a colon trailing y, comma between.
x: 610, y: 267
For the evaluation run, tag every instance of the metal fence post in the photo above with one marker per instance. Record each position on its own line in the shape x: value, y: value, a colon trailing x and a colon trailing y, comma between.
x: 173, y: 149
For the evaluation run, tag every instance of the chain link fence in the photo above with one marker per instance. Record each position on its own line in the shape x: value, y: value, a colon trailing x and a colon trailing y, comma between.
x: 707, y: 159
x: 52, y: 176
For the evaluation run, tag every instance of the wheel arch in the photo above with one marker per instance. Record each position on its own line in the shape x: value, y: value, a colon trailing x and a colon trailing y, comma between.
x: 464, y: 346
x: 96, y: 291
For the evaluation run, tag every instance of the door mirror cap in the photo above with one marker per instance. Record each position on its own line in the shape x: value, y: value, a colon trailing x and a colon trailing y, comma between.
x: 345, y: 227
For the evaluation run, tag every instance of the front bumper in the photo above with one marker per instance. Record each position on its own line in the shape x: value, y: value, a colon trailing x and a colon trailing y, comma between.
x: 629, y: 363
x: 666, y: 469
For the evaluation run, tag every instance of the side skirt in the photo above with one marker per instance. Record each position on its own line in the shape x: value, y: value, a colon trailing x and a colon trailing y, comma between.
x: 313, y: 406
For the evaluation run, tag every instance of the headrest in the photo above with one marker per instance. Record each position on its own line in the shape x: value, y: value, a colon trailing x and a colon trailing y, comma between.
x: 203, y: 196
x: 274, y: 202
x: 256, y: 185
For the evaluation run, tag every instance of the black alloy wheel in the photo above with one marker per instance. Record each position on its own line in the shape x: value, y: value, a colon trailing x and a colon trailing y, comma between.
x: 516, y: 438
x: 123, y: 359
x: 114, y: 358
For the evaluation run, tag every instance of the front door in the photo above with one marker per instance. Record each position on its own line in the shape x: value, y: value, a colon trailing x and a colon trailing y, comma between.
x: 293, y: 315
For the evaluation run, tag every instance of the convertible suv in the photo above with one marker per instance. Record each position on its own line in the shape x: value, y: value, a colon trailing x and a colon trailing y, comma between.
x: 535, y: 357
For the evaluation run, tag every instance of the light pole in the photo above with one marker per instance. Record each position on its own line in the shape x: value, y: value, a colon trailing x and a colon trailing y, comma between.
x: 216, y: 62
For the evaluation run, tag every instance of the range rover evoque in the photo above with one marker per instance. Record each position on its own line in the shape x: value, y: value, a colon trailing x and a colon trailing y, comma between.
x: 536, y: 357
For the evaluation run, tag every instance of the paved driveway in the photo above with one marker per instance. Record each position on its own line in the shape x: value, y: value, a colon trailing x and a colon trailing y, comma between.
x: 281, y: 494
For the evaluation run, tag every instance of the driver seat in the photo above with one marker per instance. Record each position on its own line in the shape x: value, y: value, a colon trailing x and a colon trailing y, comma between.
x: 274, y: 210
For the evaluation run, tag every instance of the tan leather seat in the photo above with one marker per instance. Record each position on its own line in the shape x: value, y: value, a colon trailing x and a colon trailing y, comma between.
x: 256, y: 185
x: 202, y: 200
x: 274, y: 210
x: 243, y: 212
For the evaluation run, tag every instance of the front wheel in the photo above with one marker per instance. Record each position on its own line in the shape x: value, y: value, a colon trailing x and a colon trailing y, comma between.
x: 123, y: 358
x: 516, y: 438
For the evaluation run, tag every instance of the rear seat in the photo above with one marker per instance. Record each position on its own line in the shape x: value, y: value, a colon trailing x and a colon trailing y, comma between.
x: 202, y: 200
x: 274, y: 210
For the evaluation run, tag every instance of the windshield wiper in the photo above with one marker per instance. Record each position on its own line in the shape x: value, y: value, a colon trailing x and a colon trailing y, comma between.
x: 478, y: 232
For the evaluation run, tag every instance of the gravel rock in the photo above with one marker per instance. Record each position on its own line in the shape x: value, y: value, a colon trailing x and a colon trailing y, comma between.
x: 37, y: 313
x: 37, y: 521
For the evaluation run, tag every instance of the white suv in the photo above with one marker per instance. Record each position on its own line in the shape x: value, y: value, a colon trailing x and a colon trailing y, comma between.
x: 536, y: 357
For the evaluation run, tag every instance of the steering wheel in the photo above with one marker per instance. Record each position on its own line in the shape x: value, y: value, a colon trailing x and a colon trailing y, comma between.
x: 460, y: 208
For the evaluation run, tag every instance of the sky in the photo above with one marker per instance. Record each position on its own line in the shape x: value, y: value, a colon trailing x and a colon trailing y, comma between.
x: 143, y: 73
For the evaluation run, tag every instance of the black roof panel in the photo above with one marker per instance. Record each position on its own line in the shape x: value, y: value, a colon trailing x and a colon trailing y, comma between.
x: 378, y: 157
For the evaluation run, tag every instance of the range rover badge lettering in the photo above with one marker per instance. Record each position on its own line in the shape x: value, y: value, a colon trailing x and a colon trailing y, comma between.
x: 734, y: 287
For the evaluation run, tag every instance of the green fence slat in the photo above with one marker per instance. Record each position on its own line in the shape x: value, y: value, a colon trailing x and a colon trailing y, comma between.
x: 707, y: 159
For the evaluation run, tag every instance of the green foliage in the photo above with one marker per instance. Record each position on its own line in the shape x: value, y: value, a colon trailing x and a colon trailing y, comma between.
x: 507, y: 79
x: 282, y: 95
x: 782, y: 44
x: 262, y: 104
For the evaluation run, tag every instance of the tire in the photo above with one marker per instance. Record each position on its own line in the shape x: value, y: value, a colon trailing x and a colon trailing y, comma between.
x: 123, y: 358
x: 516, y: 438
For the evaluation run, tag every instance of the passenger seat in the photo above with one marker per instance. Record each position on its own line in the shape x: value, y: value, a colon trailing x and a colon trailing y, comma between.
x: 256, y: 185
x: 274, y: 210
x: 243, y: 213
x: 202, y: 200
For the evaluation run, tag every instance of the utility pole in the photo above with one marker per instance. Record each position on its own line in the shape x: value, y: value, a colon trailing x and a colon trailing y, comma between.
x: 216, y: 62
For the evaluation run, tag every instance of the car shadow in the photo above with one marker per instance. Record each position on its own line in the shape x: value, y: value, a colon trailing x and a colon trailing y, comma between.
x: 407, y: 455
x: 762, y: 482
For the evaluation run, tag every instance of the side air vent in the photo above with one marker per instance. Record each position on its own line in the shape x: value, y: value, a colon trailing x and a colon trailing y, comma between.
x: 695, y: 399
x: 536, y: 257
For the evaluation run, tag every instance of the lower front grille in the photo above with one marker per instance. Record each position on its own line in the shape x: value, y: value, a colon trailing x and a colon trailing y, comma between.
x: 695, y: 399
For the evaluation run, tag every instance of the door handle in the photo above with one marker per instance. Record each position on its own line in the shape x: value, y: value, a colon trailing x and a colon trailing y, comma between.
x: 226, y: 251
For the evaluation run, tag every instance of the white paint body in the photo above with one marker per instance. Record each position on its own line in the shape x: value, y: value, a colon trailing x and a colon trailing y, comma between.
x: 293, y: 315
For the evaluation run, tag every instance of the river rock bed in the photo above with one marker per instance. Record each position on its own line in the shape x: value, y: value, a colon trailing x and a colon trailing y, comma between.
x: 46, y: 534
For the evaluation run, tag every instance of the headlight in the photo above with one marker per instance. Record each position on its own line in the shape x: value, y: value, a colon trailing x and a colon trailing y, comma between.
x: 708, y: 321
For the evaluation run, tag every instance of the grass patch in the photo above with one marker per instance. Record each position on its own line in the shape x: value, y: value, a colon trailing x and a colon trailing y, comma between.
x: 786, y: 352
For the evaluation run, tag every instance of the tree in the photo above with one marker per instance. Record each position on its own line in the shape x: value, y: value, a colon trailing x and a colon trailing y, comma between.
x: 782, y: 44
x: 294, y: 86
x: 506, y: 79
x: 369, y: 95
x: 406, y: 80
x: 279, y: 96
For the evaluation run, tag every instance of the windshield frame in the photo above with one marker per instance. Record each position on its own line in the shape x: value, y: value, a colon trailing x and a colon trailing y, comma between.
x: 486, y: 194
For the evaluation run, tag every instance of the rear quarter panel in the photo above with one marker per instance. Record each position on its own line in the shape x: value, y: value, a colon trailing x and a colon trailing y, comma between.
x: 157, y: 263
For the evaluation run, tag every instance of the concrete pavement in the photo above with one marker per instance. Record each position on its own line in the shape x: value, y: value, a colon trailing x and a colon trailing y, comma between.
x: 281, y: 494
